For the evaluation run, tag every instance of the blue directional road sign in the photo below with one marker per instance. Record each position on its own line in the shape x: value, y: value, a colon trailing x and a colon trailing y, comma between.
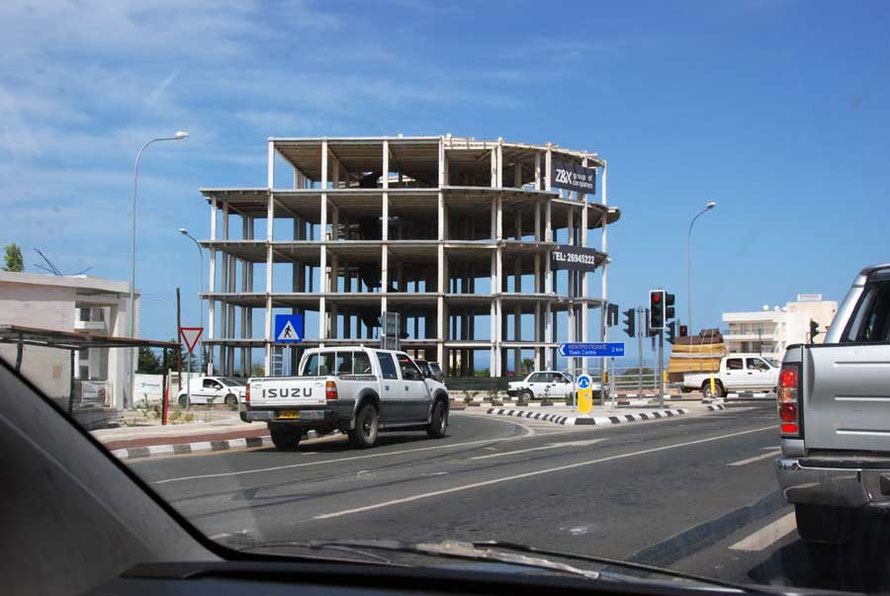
x: 288, y: 329
x: 582, y: 349
x: 584, y: 382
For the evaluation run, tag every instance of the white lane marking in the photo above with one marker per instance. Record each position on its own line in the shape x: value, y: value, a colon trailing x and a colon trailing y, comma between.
x: 542, y: 448
x: 530, y: 433
x: 464, y: 487
x: 751, y: 460
x: 767, y: 535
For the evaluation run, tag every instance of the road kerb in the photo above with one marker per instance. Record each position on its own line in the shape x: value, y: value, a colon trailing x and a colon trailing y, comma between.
x: 587, y: 421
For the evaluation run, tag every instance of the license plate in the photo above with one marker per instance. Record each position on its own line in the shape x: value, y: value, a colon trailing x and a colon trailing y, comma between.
x: 289, y: 415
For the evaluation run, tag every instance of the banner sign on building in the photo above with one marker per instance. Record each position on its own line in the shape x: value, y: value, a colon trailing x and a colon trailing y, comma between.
x: 570, y: 176
x: 576, y: 258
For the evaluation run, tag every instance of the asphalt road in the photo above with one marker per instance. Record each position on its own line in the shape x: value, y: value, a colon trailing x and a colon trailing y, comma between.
x: 696, y: 493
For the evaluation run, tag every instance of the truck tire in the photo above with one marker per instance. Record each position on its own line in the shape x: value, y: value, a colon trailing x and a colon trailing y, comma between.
x: 231, y: 400
x: 286, y: 439
x: 526, y: 395
x: 438, y: 421
x: 706, y: 390
x: 183, y: 401
x: 364, y: 435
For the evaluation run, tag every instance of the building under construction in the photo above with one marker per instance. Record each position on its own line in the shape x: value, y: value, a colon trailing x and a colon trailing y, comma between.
x: 485, y: 249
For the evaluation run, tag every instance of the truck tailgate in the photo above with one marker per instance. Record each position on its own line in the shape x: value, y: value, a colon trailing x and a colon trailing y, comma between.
x: 847, y: 397
x: 287, y: 391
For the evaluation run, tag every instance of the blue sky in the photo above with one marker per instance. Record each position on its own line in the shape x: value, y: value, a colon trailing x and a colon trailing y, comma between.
x: 776, y: 110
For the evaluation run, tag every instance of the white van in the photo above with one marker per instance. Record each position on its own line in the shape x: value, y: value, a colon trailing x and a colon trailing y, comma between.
x: 212, y: 390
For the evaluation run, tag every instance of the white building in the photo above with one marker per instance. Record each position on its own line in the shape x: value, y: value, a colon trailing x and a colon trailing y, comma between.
x: 770, y: 331
x: 69, y: 303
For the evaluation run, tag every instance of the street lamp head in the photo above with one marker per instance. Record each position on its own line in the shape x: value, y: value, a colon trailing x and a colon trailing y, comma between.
x: 711, y: 205
x: 183, y: 231
x: 180, y: 134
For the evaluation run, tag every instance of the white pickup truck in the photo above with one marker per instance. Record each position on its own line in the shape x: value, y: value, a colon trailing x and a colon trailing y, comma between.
x: 738, y: 372
x: 356, y: 390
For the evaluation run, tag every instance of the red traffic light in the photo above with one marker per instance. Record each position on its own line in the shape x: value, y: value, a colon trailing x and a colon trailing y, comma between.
x: 656, y: 297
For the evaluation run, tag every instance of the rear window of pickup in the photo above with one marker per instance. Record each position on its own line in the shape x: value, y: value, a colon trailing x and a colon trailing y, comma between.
x: 337, y: 363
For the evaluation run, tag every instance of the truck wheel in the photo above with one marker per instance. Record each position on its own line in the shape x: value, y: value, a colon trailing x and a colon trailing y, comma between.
x: 820, y: 523
x: 526, y: 396
x: 706, y: 390
x: 438, y: 421
x: 364, y: 434
x: 183, y: 401
x: 231, y: 400
x: 286, y: 439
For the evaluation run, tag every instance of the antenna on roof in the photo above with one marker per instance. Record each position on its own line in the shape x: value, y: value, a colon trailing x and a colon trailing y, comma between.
x: 51, y: 268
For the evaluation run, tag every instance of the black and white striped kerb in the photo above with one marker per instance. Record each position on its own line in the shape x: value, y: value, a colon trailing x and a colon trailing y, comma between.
x: 715, y: 407
x: 200, y: 447
x: 752, y: 394
x: 584, y: 421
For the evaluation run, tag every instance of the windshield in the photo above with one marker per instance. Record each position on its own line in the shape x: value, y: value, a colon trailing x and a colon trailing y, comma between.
x: 551, y: 275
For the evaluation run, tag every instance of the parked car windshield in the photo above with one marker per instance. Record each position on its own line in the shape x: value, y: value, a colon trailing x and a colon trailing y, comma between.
x: 616, y: 234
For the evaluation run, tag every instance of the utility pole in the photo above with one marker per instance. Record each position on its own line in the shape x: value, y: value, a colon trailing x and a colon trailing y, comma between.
x: 179, y: 341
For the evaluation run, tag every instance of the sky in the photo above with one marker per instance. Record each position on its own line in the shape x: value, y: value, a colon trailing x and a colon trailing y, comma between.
x: 775, y: 110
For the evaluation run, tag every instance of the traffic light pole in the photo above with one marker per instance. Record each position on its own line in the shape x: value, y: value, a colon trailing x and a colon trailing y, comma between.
x: 640, y: 353
x: 661, y: 368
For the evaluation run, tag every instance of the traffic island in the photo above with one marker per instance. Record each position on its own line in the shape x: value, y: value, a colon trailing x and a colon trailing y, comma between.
x: 572, y: 419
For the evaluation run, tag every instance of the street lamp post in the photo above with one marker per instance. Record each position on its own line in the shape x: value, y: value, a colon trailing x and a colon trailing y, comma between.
x: 708, y: 207
x: 185, y: 233
x: 177, y: 136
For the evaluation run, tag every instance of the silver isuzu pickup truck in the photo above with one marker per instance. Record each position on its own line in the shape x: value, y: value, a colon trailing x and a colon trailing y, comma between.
x: 834, y: 410
x: 354, y: 389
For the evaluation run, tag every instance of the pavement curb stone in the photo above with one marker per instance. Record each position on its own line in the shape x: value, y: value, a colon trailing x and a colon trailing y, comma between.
x: 198, y: 447
x: 584, y: 421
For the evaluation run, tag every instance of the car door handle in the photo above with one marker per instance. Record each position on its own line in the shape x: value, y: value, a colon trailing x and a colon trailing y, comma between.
x: 406, y: 388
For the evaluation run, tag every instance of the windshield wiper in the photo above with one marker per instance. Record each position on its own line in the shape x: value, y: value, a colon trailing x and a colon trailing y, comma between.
x: 447, y: 548
x: 515, y: 546
x: 491, y: 550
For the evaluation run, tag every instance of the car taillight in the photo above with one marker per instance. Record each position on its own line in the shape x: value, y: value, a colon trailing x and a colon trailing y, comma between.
x: 330, y: 390
x: 247, y: 393
x: 789, y: 401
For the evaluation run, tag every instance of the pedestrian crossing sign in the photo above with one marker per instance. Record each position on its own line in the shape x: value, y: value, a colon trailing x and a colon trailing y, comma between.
x: 288, y: 329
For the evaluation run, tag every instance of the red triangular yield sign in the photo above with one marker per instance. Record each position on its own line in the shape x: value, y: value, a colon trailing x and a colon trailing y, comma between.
x: 190, y: 335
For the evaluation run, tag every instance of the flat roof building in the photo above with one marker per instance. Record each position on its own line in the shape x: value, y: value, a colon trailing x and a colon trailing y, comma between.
x: 770, y: 331
x: 486, y: 249
x: 83, y: 304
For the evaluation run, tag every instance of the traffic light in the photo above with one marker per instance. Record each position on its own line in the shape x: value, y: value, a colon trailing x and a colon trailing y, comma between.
x: 670, y: 328
x: 814, y: 330
x: 669, y: 300
x: 684, y: 330
x: 656, y: 310
x: 630, y: 320
x: 613, y: 315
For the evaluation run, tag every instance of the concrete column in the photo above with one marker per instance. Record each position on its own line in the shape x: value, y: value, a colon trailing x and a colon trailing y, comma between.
x: 548, y: 172
x: 493, y: 312
x: 500, y: 154
x: 585, y: 292
x: 323, y: 278
x: 224, y: 287
x: 494, y: 168
x: 270, y: 229
x: 538, y: 170
x: 517, y: 336
x: 211, y: 281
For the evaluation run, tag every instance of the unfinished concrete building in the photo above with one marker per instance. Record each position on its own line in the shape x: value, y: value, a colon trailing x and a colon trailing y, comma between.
x: 457, y: 235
